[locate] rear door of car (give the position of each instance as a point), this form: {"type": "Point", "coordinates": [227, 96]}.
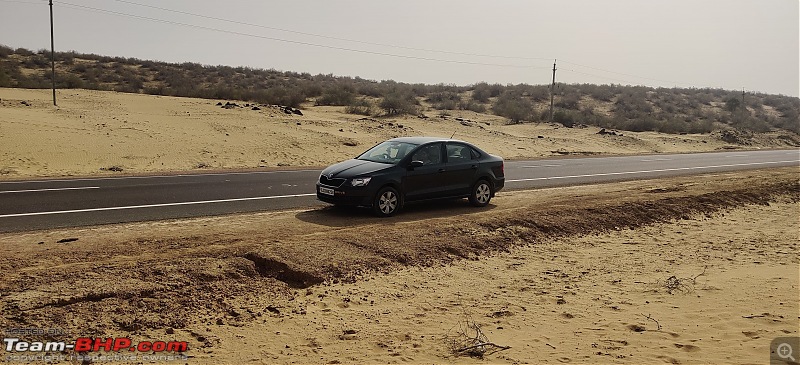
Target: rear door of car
{"type": "Point", "coordinates": [461, 168]}
{"type": "Point", "coordinates": [425, 182]}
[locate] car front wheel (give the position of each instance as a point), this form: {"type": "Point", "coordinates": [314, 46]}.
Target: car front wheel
{"type": "Point", "coordinates": [387, 202]}
{"type": "Point", "coordinates": [481, 193]}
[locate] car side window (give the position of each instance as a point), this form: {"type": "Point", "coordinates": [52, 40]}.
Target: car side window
{"type": "Point", "coordinates": [475, 154]}
{"type": "Point", "coordinates": [458, 153]}
{"type": "Point", "coordinates": [429, 155]}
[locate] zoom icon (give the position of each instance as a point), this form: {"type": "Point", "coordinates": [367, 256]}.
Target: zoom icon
{"type": "Point", "coordinates": [783, 350]}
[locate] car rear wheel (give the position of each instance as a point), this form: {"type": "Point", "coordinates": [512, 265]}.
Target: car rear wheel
{"type": "Point", "coordinates": [387, 202]}
{"type": "Point", "coordinates": [481, 193]}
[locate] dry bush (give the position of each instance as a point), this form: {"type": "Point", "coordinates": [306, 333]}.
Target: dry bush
{"type": "Point", "coordinates": [467, 338]}
{"type": "Point", "coordinates": [684, 285]}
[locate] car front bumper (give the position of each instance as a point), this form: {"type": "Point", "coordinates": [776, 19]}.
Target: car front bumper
{"type": "Point", "coordinates": [359, 196]}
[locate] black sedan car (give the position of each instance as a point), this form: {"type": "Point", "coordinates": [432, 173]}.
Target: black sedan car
{"type": "Point", "coordinates": [409, 169]}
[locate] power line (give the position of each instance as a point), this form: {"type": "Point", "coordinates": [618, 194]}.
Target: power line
{"type": "Point", "coordinates": [621, 73]}
{"type": "Point", "coordinates": [89, 8]}
{"type": "Point", "coordinates": [23, 2]}
{"type": "Point", "coordinates": [603, 77]}
{"type": "Point", "coordinates": [330, 37]}
{"type": "Point", "coordinates": [384, 44]}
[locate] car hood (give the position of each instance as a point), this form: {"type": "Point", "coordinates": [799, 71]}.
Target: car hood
{"type": "Point", "coordinates": [353, 168]}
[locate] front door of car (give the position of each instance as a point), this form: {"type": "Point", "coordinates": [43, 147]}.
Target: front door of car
{"type": "Point", "coordinates": [425, 181]}
{"type": "Point", "coordinates": [460, 170]}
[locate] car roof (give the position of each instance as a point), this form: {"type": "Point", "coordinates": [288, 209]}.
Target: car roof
{"type": "Point", "coordinates": [422, 140]}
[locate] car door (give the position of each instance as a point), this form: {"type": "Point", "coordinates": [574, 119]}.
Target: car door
{"type": "Point", "coordinates": [425, 182]}
{"type": "Point", "coordinates": [461, 169]}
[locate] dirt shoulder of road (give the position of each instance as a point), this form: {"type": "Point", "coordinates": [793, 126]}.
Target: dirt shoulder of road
{"type": "Point", "coordinates": [103, 133]}
{"type": "Point", "coordinates": [681, 270]}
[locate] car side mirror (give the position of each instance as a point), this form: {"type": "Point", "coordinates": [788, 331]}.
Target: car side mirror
{"type": "Point", "coordinates": [415, 164]}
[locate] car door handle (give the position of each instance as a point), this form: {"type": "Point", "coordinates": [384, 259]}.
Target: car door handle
{"type": "Point", "coordinates": [441, 170]}
{"type": "Point", "coordinates": [474, 167]}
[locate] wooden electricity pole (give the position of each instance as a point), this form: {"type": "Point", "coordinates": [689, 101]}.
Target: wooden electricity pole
{"type": "Point", "coordinates": [552, 91]}
{"type": "Point", "coordinates": [52, 54]}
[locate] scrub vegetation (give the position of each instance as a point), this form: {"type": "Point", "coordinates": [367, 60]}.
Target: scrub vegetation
{"type": "Point", "coordinates": [631, 108]}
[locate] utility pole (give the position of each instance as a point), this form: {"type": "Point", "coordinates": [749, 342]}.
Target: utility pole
{"type": "Point", "coordinates": [552, 91]}
{"type": "Point", "coordinates": [52, 54]}
{"type": "Point", "coordinates": [744, 110]}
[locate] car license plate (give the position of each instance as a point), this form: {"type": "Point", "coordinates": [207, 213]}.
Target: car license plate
{"type": "Point", "coordinates": [326, 191]}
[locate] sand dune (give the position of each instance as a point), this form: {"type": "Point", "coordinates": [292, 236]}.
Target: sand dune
{"type": "Point", "coordinates": [98, 132]}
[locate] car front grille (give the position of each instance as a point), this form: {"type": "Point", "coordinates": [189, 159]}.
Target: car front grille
{"type": "Point", "coordinates": [335, 182]}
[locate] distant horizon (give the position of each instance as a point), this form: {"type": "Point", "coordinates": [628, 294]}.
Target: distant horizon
{"type": "Point", "coordinates": [713, 44]}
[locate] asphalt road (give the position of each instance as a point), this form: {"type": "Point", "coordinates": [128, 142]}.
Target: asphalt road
{"type": "Point", "coordinates": [56, 203]}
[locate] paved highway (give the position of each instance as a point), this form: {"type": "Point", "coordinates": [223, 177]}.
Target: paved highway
{"type": "Point", "coordinates": [54, 203]}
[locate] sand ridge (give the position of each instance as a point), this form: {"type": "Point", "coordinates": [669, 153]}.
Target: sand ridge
{"type": "Point", "coordinates": [102, 132]}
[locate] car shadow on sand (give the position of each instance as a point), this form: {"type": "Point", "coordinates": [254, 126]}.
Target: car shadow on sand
{"type": "Point", "coordinates": [344, 216]}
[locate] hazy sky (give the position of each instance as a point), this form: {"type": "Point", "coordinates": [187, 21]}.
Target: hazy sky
{"type": "Point", "coordinates": [731, 44]}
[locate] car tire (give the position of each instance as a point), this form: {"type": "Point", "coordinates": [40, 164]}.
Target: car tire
{"type": "Point", "coordinates": [387, 202]}
{"type": "Point", "coordinates": [481, 193]}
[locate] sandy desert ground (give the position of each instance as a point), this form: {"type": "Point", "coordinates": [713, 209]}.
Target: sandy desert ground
{"type": "Point", "coordinates": [688, 270]}
{"type": "Point", "coordinates": [99, 132]}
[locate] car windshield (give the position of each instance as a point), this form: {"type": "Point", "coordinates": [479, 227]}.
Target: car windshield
{"type": "Point", "coordinates": [390, 152]}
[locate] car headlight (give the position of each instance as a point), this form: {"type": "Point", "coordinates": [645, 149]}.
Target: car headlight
{"type": "Point", "coordinates": [360, 181]}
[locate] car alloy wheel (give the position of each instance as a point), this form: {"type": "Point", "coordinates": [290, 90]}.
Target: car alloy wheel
{"type": "Point", "coordinates": [387, 202]}
{"type": "Point", "coordinates": [481, 194]}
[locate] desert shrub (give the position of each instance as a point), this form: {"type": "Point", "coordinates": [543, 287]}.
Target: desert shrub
{"type": "Point", "coordinates": [5, 51]}
{"type": "Point", "coordinates": [632, 103]}
{"type": "Point", "coordinates": [744, 121]}
{"type": "Point", "coordinates": [565, 118]}
{"type": "Point", "coordinates": [23, 52]}
{"type": "Point", "coordinates": [600, 92]}
{"type": "Point", "coordinates": [36, 61]}
{"type": "Point", "coordinates": [703, 98]}
{"type": "Point", "coordinates": [80, 68]}
{"type": "Point", "coordinates": [420, 90]}
{"type": "Point", "coordinates": [732, 104]}
{"type": "Point", "coordinates": [313, 90]}
{"type": "Point", "coordinates": [109, 77]}
{"type": "Point", "coordinates": [156, 90]}
{"type": "Point", "coordinates": [569, 100]}
{"type": "Point", "coordinates": [757, 103]}
{"type": "Point", "coordinates": [360, 107]}
{"type": "Point", "coordinates": [70, 81]}
{"type": "Point", "coordinates": [446, 105]}
{"type": "Point", "coordinates": [336, 96]}
{"type": "Point", "coordinates": [539, 93]}
{"type": "Point", "coordinates": [699, 126]}
{"type": "Point", "coordinates": [65, 58]}
{"type": "Point", "coordinates": [33, 82]}
{"type": "Point", "coordinates": [514, 107]}
{"type": "Point", "coordinates": [481, 92]}
{"type": "Point", "coordinates": [440, 96]}
{"type": "Point", "coordinates": [292, 97]}
{"type": "Point", "coordinates": [673, 126]}
{"type": "Point", "coordinates": [472, 105]}
{"type": "Point", "coordinates": [399, 102]}
{"type": "Point", "coordinates": [642, 124]}
{"type": "Point", "coordinates": [5, 79]}
{"type": "Point", "coordinates": [370, 89]}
